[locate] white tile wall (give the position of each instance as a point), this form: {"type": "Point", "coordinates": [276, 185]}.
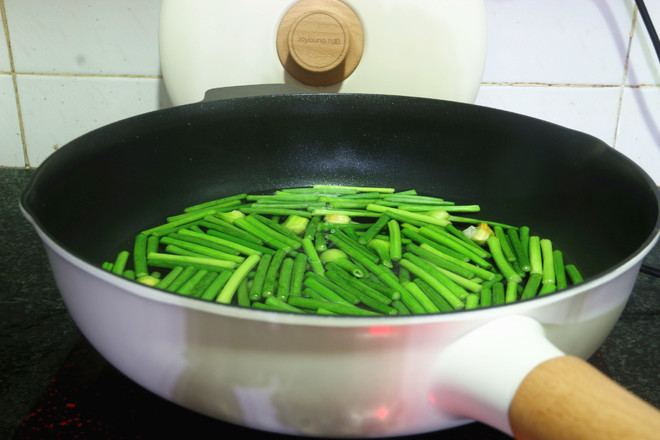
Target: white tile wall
{"type": "Point", "coordinates": [585, 64]}
{"type": "Point", "coordinates": [639, 127]}
{"type": "Point", "coordinates": [5, 67]}
{"type": "Point", "coordinates": [644, 67]}
{"type": "Point", "coordinates": [557, 42]}
{"type": "Point", "coordinates": [117, 37]}
{"type": "Point", "coordinates": [79, 64]}
{"type": "Point", "coordinates": [59, 108]}
{"type": "Point", "coordinates": [11, 147]}
{"type": "Point", "coordinates": [593, 110]}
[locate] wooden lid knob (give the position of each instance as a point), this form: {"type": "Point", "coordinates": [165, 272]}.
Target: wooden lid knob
{"type": "Point", "coordinates": [320, 42]}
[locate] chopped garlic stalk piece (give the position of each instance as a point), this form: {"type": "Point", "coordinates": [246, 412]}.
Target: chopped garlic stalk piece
{"type": "Point", "coordinates": [148, 280]}
{"type": "Point", "coordinates": [438, 213]}
{"type": "Point", "coordinates": [478, 234]}
{"type": "Point", "coordinates": [296, 224]}
{"type": "Point", "coordinates": [231, 215]}
{"type": "Point", "coordinates": [332, 255]}
{"type": "Point", "coordinates": [337, 219]}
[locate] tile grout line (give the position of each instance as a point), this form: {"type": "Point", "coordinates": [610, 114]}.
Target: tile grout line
{"type": "Point", "coordinates": [625, 76]}
{"type": "Point", "coordinates": [540, 84]}
{"type": "Point", "coordinates": [569, 85]}
{"type": "Point", "coordinates": [5, 25]}
{"type": "Point", "coordinates": [87, 75]}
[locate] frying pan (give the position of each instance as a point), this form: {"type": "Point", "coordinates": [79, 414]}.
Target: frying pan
{"type": "Point", "coordinates": [516, 367]}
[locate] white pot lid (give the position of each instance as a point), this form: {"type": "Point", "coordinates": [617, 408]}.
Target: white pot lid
{"type": "Point", "coordinates": [420, 48]}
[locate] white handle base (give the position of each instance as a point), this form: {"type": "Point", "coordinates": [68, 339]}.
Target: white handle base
{"type": "Point", "coordinates": [478, 375]}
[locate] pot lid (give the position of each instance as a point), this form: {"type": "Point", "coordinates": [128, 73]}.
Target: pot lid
{"type": "Point", "coordinates": [421, 48]}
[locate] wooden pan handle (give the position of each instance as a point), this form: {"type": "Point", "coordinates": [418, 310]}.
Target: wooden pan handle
{"type": "Point", "coordinates": [567, 398]}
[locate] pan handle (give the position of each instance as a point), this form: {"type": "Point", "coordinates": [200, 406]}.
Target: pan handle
{"type": "Point", "coordinates": [508, 375]}
{"type": "Point", "coordinates": [253, 90]}
{"type": "Point", "coordinates": [566, 397]}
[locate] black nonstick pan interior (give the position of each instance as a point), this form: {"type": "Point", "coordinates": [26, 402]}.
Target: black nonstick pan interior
{"type": "Point", "coordinates": [95, 193]}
